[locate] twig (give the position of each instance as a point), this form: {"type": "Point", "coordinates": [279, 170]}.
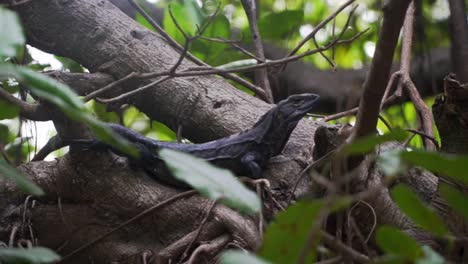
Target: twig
{"type": "Point", "coordinates": [133, 92]}
{"type": "Point", "coordinates": [215, 245]}
{"type": "Point", "coordinates": [52, 145]}
{"type": "Point", "coordinates": [334, 260]}
{"type": "Point", "coordinates": [306, 169]}
{"type": "Point", "coordinates": [211, 70]}
{"type": "Point", "coordinates": [425, 136]}
{"type": "Point", "coordinates": [202, 224]}
{"type": "Point", "coordinates": [261, 75]}
{"type": "Point", "coordinates": [257, 90]}
{"type": "Point", "coordinates": [318, 27]}
{"type": "Point", "coordinates": [389, 88]}
{"type": "Point", "coordinates": [313, 231]}
{"type": "Point", "coordinates": [133, 219]}
{"type": "Point", "coordinates": [386, 123]}
{"type": "Point", "coordinates": [109, 86]}
{"type": "Point", "coordinates": [379, 73]}
{"type": "Point", "coordinates": [344, 249]}
{"type": "Point", "coordinates": [374, 224]}
{"type": "Point", "coordinates": [425, 116]}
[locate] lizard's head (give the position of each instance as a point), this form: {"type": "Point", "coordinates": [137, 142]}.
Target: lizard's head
{"type": "Point", "coordinates": [296, 106]}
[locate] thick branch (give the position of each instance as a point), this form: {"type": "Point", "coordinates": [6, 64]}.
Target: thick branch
{"type": "Point", "coordinates": [102, 38]}
{"type": "Point", "coordinates": [377, 79]}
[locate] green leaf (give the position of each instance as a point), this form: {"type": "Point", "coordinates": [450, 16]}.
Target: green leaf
{"type": "Point", "coordinates": [23, 183]}
{"type": "Point", "coordinates": [447, 165]}
{"type": "Point", "coordinates": [236, 256]}
{"type": "Point", "coordinates": [212, 182]}
{"type": "Point", "coordinates": [187, 15]}
{"type": "Point", "coordinates": [142, 21]}
{"type": "Point", "coordinates": [26, 256]}
{"type": "Point", "coordinates": [430, 257]}
{"type": "Point", "coordinates": [163, 132]}
{"type": "Point", "coordinates": [8, 110]}
{"type": "Point", "coordinates": [219, 27]}
{"type": "Point", "coordinates": [11, 32]}
{"type": "Point", "coordinates": [285, 237]}
{"type": "Point", "coordinates": [414, 208]}
{"type": "Point", "coordinates": [315, 11]}
{"type": "Point", "coordinates": [70, 64]}
{"type": "Point", "coordinates": [5, 137]}
{"type": "Point", "coordinates": [455, 198]}
{"type": "Point", "coordinates": [277, 26]}
{"type": "Point", "coordinates": [393, 241]}
{"type": "Point", "coordinates": [367, 144]}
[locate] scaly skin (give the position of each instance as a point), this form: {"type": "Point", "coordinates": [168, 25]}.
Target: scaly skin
{"type": "Point", "coordinates": [245, 153]}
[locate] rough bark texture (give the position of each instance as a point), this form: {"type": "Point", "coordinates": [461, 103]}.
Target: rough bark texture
{"type": "Point", "coordinates": [103, 39]}
{"type": "Point", "coordinates": [97, 191]}
{"type": "Point", "coordinates": [88, 193]}
{"type": "Point", "coordinates": [451, 117]}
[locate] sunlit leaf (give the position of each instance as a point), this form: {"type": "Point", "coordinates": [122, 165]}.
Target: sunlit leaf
{"type": "Point", "coordinates": [8, 111]}
{"type": "Point", "coordinates": [11, 32]}
{"type": "Point", "coordinates": [316, 10]}
{"type": "Point", "coordinates": [218, 28]}
{"type": "Point", "coordinates": [187, 15]}
{"type": "Point", "coordinates": [163, 132]}
{"type": "Point", "coordinates": [142, 21]}
{"type": "Point", "coordinates": [446, 165]}
{"type": "Point", "coordinates": [100, 110]}
{"type": "Point", "coordinates": [236, 256]}
{"type": "Point", "coordinates": [34, 255]}
{"type": "Point", "coordinates": [414, 208]}
{"type": "Point", "coordinates": [23, 183]}
{"type": "Point", "coordinates": [4, 134]}
{"type": "Point", "coordinates": [280, 25]}
{"type": "Point", "coordinates": [212, 182]}
{"type": "Point", "coordinates": [455, 198]}
{"type": "Point", "coordinates": [10, 86]}
{"type": "Point", "coordinates": [367, 144]}
{"type": "Point", "coordinates": [294, 224]}
{"type": "Point", "coordinates": [70, 64]}
{"type": "Point", "coordinates": [393, 241]}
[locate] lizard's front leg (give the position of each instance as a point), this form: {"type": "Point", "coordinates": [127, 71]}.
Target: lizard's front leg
{"type": "Point", "coordinates": [252, 161]}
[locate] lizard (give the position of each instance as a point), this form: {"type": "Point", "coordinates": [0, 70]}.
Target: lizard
{"type": "Point", "coordinates": [245, 153]}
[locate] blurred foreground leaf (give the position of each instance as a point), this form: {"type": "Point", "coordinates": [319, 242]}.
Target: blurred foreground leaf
{"type": "Point", "coordinates": [213, 182]}
{"type": "Point", "coordinates": [23, 183]}
{"type": "Point", "coordinates": [236, 256]}
{"type": "Point", "coordinates": [414, 208]}
{"type": "Point", "coordinates": [34, 255]}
